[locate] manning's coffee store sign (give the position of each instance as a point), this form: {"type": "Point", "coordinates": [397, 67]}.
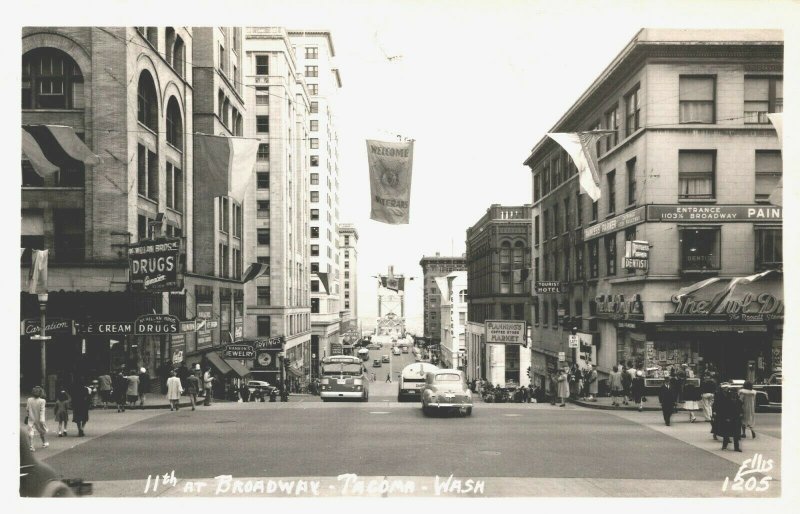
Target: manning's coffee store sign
{"type": "Point", "coordinates": [154, 265]}
{"type": "Point", "coordinates": [758, 302]}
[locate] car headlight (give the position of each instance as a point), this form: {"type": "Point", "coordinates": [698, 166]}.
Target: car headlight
{"type": "Point", "coordinates": [358, 381]}
{"type": "Point", "coordinates": [358, 388]}
{"type": "Point", "coordinates": [325, 380]}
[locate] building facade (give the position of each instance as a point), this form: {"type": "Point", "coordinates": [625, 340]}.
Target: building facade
{"type": "Point", "coordinates": [687, 170]}
{"type": "Point", "coordinates": [277, 223]}
{"type": "Point", "coordinates": [497, 262]}
{"type": "Point", "coordinates": [432, 268]}
{"type": "Point", "coordinates": [314, 52]}
{"type": "Point", "coordinates": [453, 309]}
{"type": "Point", "coordinates": [348, 257]}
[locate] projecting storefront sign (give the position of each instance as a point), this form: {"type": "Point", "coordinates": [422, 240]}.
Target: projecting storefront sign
{"type": "Point", "coordinates": [31, 327]}
{"type": "Point", "coordinates": [156, 325]}
{"type": "Point", "coordinates": [634, 263]}
{"type": "Point", "coordinates": [238, 351]}
{"type": "Point", "coordinates": [549, 287]}
{"type": "Point", "coordinates": [705, 213]}
{"type": "Point", "coordinates": [154, 265]}
{"type": "Point", "coordinates": [618, 307]}
{"type": "Point", "coordinates": [505, 332]}
{"type": "Point", "coordinates": [614, 224]}
{"type": "Point", "coordinates": [267, 344]}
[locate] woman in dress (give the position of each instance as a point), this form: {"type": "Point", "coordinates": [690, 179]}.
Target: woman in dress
{"type": "Point", "coordinates": [61, 413]}
{"type": "Point", "coordinates": [748, 398]}
{"type": "Point", "coordinates": [691, 398]}
{"type": "Point", "coordinates": [174, 390]}
{"type": "Point", "coordinates": [563, 387]}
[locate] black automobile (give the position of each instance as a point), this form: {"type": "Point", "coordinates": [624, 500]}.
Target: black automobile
{"type": "Point", "coordinates": [38, 480]}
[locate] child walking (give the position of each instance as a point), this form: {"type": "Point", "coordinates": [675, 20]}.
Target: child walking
{"type": "Point", "coordinates": [61, 412]}
{"type": "Point", "coordinates": [35, 409]}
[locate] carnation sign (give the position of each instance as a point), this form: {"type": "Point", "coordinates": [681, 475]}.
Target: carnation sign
{"type": "Point", "coordinates": [505, 332]}
{"type": "Point", "coordinates": [154, 265]}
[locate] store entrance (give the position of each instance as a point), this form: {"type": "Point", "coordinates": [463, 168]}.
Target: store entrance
{"type": "Point", "coordinates": [735, 356]}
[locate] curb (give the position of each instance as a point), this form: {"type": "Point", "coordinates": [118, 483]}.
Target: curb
{"type": "Point", "coordinates": [145, 407]}
{"type": "Point", "coordinates": [593, 405]}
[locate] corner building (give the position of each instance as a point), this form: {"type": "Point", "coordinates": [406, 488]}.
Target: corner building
{"type": "Point", "coordinates": [434, 267]}
{"type": "Point", "coordinates": [688, 169]}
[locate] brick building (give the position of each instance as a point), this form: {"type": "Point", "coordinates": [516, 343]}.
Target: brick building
{"type": "Point", "coordinates": [434, 267]}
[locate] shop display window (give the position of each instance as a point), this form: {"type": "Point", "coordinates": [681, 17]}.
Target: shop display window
{"type": "Point", "coordinates": [700, 249]}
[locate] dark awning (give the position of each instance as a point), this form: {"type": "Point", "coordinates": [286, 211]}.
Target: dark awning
{"type": "Point", "coordinates": [226, 366]}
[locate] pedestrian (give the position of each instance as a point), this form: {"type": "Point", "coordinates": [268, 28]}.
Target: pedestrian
{"type": "Point", "coordinates": [707, 388]}
{"type": "Point", "coordinates": [183, 373]}
{"type": "Point", "coordinates": [61, 413]}
{"type": "Point", "coordinates": [719, 397]}
{"type": "Point", "coordinates": [667, 396]}
{"type": "Point", "coordinates": [637, 389]}
{"type": "Point", "coordinates": [174, 390]}
{"type": "Point", "coordinates": [631, 370]}
{"type": "Point", "coordinates": [748, 398]}
{"type": "Point", "coordinates": [35, 416]}
{"type": "Point", "coordinates": [192, 388]}
{"type": "Point", "coordinates": [729, 411]}
{"type": "Point", "coordinates": [119, 386]}
{"type": "Point", "coordinates": [626, 383]}
{"type": "Point", "coordinates": [144, 385]}
{"type": "Point", "coordinates": [208, 383]}
{"type": "Point", "coordinates": [553, 387]}
{"type": "Point", "coordinates": [691, 397]}
{"type": "Point", "coordinates": [531, 394]}
{"type": "Point", "coordinates": [563, 387]}
{"type": "Point", "coordinates": [388, 377]}
{"type": "Point", "coordinates": [593, 383]}
{"type": "Point", "coordinates": [133, 388]}
{"type": "Point", "coordinates": [104, 386]}
{"type": "Point", "coordinates": [80, 404]}
{"type": "Point", "coordinates": [615, 382]}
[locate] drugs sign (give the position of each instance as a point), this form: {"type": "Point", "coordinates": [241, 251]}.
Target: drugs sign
{"type": "Point", "coordinates": [154, 265]}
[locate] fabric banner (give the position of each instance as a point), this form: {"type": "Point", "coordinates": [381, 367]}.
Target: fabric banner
{"type": "Point", "coordinates": [49, 147]}
{"type": "Point", "coordinates": [254, 271]}
{"type": "Point", "coordinates": [776, 197]}
{"type": "Point", "coordinates": [581, 146]}
{"type": "Point", "coordinates": [323, 277]}
{"type": "Point", "coordinates": [33, 152]}
{"type": "Point", "coordinates": [227, 162]}
{"type": "Point", "coordinates": [736, 281]}
{"type": "Point", "coordinates": [38, 274]}
{"type": "Point", "coordinates": [390, 180]}
{"type": "Point", "coordinates": [393, 283]}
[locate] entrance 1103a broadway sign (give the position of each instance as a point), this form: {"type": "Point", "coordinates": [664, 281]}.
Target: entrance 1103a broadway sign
{"type": "Point", "coordinates": [154, 265]}
{"type": "Point", "coordinates": [706, 213]}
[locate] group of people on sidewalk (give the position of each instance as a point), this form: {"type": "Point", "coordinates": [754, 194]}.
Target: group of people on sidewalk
{"type": "Point", "coordinates": [124, 389]}
{"type": "Point", "coordinates": [78, 400]}
{"type": "Point", "coordinates": [194, 385]}
{"type": "Point", "coordinates": [730, 412]}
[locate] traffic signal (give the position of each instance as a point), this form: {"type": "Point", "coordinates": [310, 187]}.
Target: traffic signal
{"type": "Point", "coordinates": [529, 372]}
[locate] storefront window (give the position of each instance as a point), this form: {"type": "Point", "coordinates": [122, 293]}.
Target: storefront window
{"type": "Point", "coordinates": [512, 364]}
{"type": "Point", "coordinates": [699, 249]}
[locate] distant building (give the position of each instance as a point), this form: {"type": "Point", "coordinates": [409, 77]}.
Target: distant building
{"type": "Point", "coordinates": [687, 169]}
{"type": "Point", "coordinates": [433, 267]}
{"type": "Point", "coordinates": [498, 261]}
{"type": "Point", "coordinates": [453, 309]}
{"type": "Point", "coordinates": [348, 257]}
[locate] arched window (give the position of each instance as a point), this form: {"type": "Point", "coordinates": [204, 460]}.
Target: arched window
{"type": "Point", "coordinates": [220, 103]}
{"type": "Point", "coordinates": [174, 124]}
{"type": "Point", "coordinates": [178, 58]}
{"type": "Point", "coordinates": [169, 42]}
{"type": "Point", "coordinates": [148, 102]}
{"type": "Point", "coordinates": [505, 254]}
{"type": "Point", "coordinates": [51, 80]}
{"type": "Point", "coordinates": [226, 107]}
{"type": "Point", "coordinates": [152, 36]}
{"type": "Point", "coordinates": [519, 252]}
{"type": "Point", "coordinates": [462, 296]}
{"type": "Point", "coordinates": [239, 125]}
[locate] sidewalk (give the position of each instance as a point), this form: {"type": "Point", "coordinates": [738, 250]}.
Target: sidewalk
{"type": "Point", "coordinates": [604, 403]}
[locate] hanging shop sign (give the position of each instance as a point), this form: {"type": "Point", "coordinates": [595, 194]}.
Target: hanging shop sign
{"type": "Point", "coordinates": [616, 223]}
{"type": "Point", "coordinates": [637, 249]}
{"type": "Point", "coordinates": [634, 263]}
{"type": "Point", "coordinates": [203, 311]}
{"type": "Point", "coordinates": [549, 287]}
{"type": "Point", "coordinates": [238, 351]}
{"type": "Point", "coordinates": [177, 356]}
{"type": "Point", "coordinates": [505, 332]}
{"type": "Point", "coordinates": [154, 265]}
{"type": "Point", "coordinates": [337, 349]}
{"type": "Point", "coordinates": [156, 325]}
{"type": "Point", "coordinates": [744, 307]}
{"type": "Point", "coordinates": [53, 326]}
{"type": "Point", "coordinates": [619, 307]}
{"type": "Point", "coordinates": [266, 344]}
{"type": "Point", "coordinates": [706, 213]}
{"type": "Point", "coordinates": [188, 326]}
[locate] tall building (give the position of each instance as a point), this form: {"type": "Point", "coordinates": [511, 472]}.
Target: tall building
{"type": "Point", "coordinates": [498, 262]}
{"type": "Point", "coordinates": [128, 94]}
{"type": "Point", "coordinates": [314, 54]}
{"type": "Point", "coordinates": [432, 268]}
{"type": "Point", "coordinates": [277, 210]}
{"type": "Point", "coordinates": [453, 316]}
{"type": "Point", "coordinates": [687, 170]}
{"type": "Point", "coordinates": [348, 256]}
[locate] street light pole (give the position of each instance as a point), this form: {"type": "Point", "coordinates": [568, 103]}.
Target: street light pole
{"type": "Point", "coordinates": [42, 337]}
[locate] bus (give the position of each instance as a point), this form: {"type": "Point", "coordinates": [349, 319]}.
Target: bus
{"type": "Point", "coordinates": [363, 353]}
{"type": "Point", "coordinates": [412, 380]}
{"type": "Point", "coordinates": [343, 376]}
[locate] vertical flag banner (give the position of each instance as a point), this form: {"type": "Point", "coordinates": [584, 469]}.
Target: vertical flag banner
{"type": "Point", "coordinates": [390, 180]}
{"type": "Point", "coordinates": [227, 162]}
{"type": "Point", "coordinates": [776, 197]}
{"type": "Point", "coordinates": [38, 273]}
{"type": "Point", "coordinates": [581, 147]}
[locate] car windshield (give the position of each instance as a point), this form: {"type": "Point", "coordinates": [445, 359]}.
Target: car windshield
{"type": "Point", "coordinates": [341, 369]}
{"type": "Point", "coordinates": [448, 377]}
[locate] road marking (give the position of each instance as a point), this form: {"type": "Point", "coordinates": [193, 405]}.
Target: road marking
{"type": "Point", "coordinates": [379, 412]}
{"type": "Point", "coordinates": [512, 415]}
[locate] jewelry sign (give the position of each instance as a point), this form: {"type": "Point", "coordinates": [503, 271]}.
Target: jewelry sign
{"type": "Point", "coordinates": [154, 265]}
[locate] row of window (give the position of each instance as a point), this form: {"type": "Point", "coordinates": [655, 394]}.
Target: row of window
{"type": "Point", "coordinates": [296, 323]}
{"type": "Point", "coordinates": [68, 234]}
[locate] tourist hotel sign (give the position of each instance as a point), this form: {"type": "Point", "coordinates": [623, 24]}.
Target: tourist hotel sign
{"type": "Point", "coordinates": [239, 351]}
{"type": "Point", "coordinates": [705, 213]}
{"type": "Point", "coordinates": [154, 265]}
{"type": "Point", "coordinates": [549, 287]}
{"type": "Point", "coordinates": [506, 332]}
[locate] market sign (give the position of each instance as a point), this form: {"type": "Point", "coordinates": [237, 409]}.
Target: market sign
{"type": "Point", "coordinates": [549, 287]}
{"type": "Point", "coordinates": [156, 325]}
{"type": "Point", "coordinates": [238, 351]}
{"type": "Point", "coordinates": [505, 332]}
{"type": "Point", "coordinates": [706, 213]}
{"type": "Point", "coordinates": [624, 220]}
{"type": "Point", "coordinates": [618, 307]}
{"type": "Point", "coordinates": [32, 327]}
{"type": "Point", "coordinates": [154, 265]}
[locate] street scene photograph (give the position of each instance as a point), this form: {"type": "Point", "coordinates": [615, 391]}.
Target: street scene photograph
{"type": "Point", "coordinates": [402, 249]}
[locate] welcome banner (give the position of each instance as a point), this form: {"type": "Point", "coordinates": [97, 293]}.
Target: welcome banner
{"type": "Point", "coordinates": [390, 180]}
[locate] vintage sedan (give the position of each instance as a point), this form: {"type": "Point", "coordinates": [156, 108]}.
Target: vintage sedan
{"type": "Point", "coordinates": [446, 390]}
{"type": "Point", "coordinates": [762, 398]}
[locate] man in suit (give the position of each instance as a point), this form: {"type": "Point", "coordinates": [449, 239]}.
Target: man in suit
{"type": "Point", "coordinates": [667, 396]}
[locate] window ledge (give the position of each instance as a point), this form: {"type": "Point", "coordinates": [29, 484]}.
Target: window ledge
{"type": "Point", "coordinates": [147, 198]}
{"type": "Point", "coordinates": [697, 200]}
{"type": "Point", "coordinates": [53, 188]}
{"type": "Point", "coordinates": [148, 129]}
{"type": "Point", "coordinates": [175, 211]}
{"type": "Point", "coordinates": [630, 206]}
{"type": "Point", "coordinates": [53, 110]}
{"type": "Point", "coordinates": [179, 150]}
{"type": "Point", "coordinates": [699, 272]}
{"type": "Point", "coordinates": [611, 214]}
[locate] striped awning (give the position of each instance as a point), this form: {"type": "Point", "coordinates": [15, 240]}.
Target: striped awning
{"type": "Point", "coordinates": [50, 147]}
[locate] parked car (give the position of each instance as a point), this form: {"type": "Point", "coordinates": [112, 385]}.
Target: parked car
{"type": "Point", "coordinates": [259, 389]}
{"type": "Point", "coordinates": [385, 358]}
{"type": "Point", "coordinates": [395, 351]}
{"type": "Point", "coordinates": [762, 399]}
{"type": "Point", "coordinates": [446, 389]}
{"type": "Point", "coordinates": [39, 480]}
{"type": "Point", "coordinates": [376, 363]}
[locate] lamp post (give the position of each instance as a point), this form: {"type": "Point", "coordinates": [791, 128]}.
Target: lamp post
{"type": "Point", "coordinates": [42, 337]}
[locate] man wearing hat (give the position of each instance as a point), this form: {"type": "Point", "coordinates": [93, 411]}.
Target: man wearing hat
{"type": "Point", "coordinates": [144, 385]}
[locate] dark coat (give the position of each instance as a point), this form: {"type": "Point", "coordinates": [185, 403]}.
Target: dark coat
{"type": "Point", "coordinates": [719, 399]}
{"type": "Point", "coordinates": [690, 392]}
{"type": "Point", "coordinates": [144, 383]}
{"type": "Point", "coordinates": [667, 396]}
{"type": "Point", "coordinates": [708, 386]}
{"type": "Point", "coordinates": [120, 386]}
{"type": "Point", "coordinates": [637, 386]}
{"type": "Point", "coordinates": [729, 414]}
{"type": "Point", "coordinates": [80, 403]}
